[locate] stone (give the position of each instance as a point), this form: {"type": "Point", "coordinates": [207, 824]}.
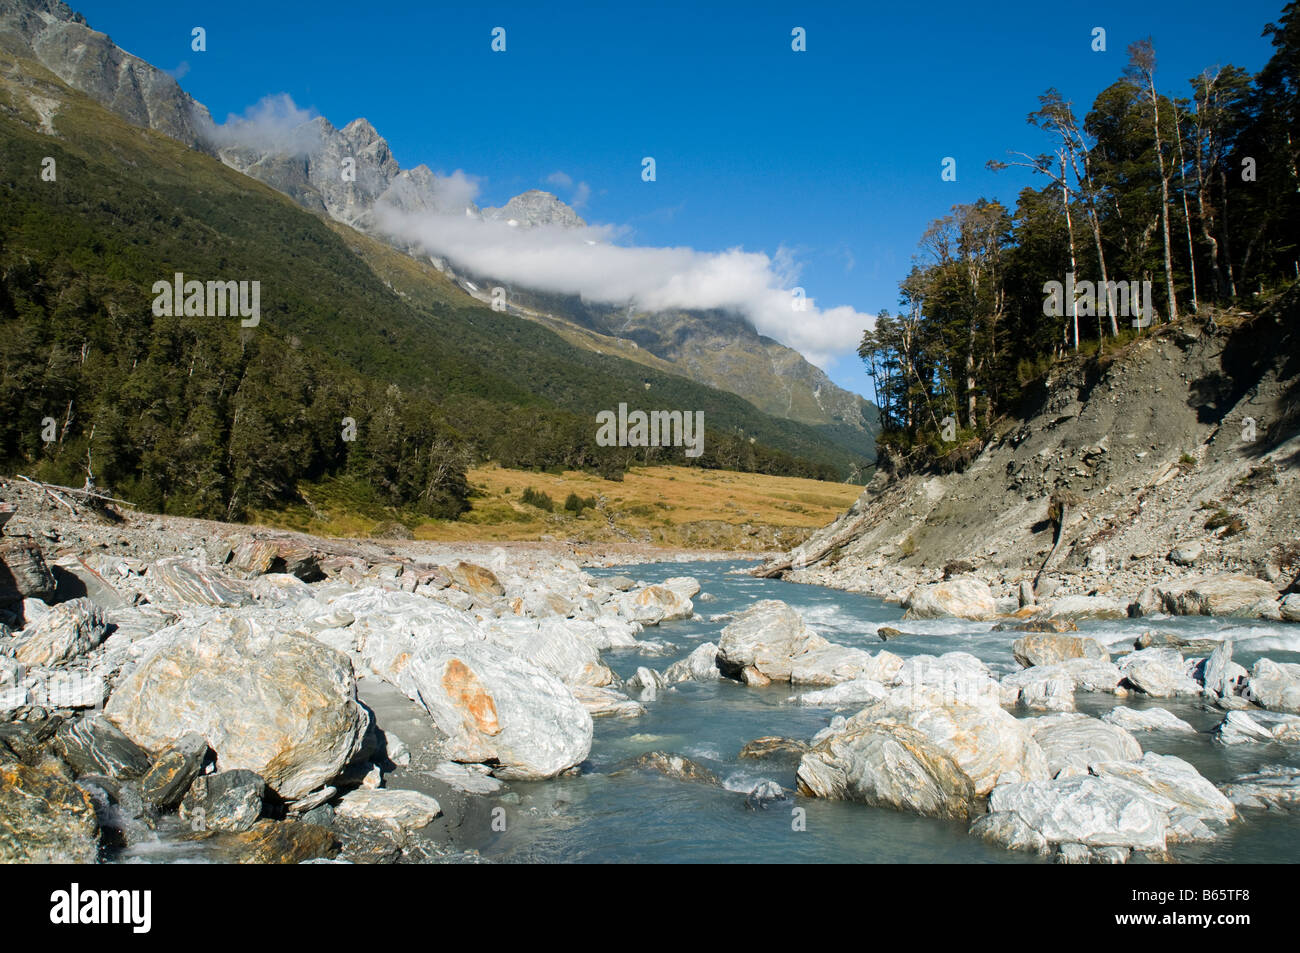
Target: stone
{"type": "Point", "coordinates": [408, 810]}
{"type": "Point", "coordinates": [621, 583]}
{"type": "Point", "coordinates": [1087, 607]}
{"type": "Point", "coordinates": [1146, 719]}
{"type": "Point", "coordinates": [1158, 672]}
{"type": "Point", "coordinates": [1084, 809]}
{"type": "Point", "coordinates": [951, 678]}
{"type": "Point", "coordinates": [225, 801]}
{"type": "Point", "coordinates": [700, 666]}
{"type": "Point", "coordinates": [1275, 686]}
{"type": "Point", "coordinates": [1006, 829]}
{"type": "Point", "coordinates": [469, 778]}
{"type": "Point", "coordinates": [764, 793]}
{"type": "Point", "coordinates": [478, 581]}
{"type": "Point", "coordinates": [45, 818]}
{"type": "Point", "coordinates": [858, 692]}
{"type": "Point", "coordinates": [281, 705]}
{"type": "Point", "coordinates": [97, 746]}
{"type": "Point", "coordinates": [492, 706]}
{"type": "Point", "coordinates": [256, 557]}
{"type": "Point", "coordinates": [1186, 555]}
{"type": "Point", "coordinates": [964, 598]}
{"type": "Point", "coordinates": [771, 746]}
{"type": "Point", "coordinates": [269, 842]}
{"type": "Point", "coordinates": [67, 631]}
{"type": "Point", "coordinates": [677, 767]}
{"type": "Point", "coordinates": [1037, 625]}
{"type": "Point", "coordinates": [765, 637]}
{"type": "Point", "coordinates": [1216, 677]}
{"type": "Point", "coordinates": [1290, 607]}
{"type": "Point", "coordinates": [688, 587]}
{"type": "Point", "coordinates": [1048, 648]}
{"type": "Point", "coordinates": [1073, 742]}
{"type": "Point", "coordinates": [884, 764]}
{"type": "Point", "coordinates": [188, 584]}
{"type": "Point", "coordinates": [1226, 594]}
{"type": "Point", "coordinates": [551, 645]}
{"type": "Point", "coordinates": [655, 604]}
{"type": "Point", "coordinates": [603, 702]}
{"type": "Point", "coordinates": [1241, 727]}
{"type": "Point", "coordinates": [1274, 786]}
{"type": "Point", "coordinates": [1174, 786]}
{"type": "Point", "coordinates": [23, 572]}
{"type": "Point", "coordinates": [173, 771]}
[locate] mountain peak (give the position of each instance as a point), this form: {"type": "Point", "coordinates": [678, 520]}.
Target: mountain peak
{"type": "Point", "coordinates": [536, 207]}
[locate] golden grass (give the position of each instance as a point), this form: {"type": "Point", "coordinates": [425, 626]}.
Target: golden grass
{"type": "Point", "coordinates": [665, 505]}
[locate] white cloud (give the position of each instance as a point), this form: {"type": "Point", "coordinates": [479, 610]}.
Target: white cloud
{"type": "Point", "coordinates": [587, 262]}
{"type": "Point", "coordinates": [274, 124]}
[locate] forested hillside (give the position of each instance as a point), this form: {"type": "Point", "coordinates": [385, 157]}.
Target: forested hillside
{"type": "Point", "coordinates": [1189, 189]}
{"type": "Point", "coordinates": [199, 415]}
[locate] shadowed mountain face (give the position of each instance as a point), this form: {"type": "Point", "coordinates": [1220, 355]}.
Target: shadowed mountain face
{"type": "Point", "coordinates": [350, 173]}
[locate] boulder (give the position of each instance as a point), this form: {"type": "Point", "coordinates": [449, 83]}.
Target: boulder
{"type": "Point", "coordinates": [268, 842]}
{"type": "Point", "coordinates": [479, 582]}
{"type": "Point", "coordinates": [1275, 685]}
{"type": "Point", "coordinates": [1290, 607]}
{"type": "Point", "coordinates": [1047, 649]}
{"type": "Point", "coordinates": [492, 705]}
{"type": "Point", "coordinates": [856, 693]}
{"type": "Point", "coordinates": [1226, 594]}
{"type": "Point", "coordinates": [256, 557]}
{"type": "Point", "coordinates": [97, 746]}
{"type": "Point", "coordinates": [677, 767]}
{"type": "Point", "coordinates": [23, 573]}
{"type": "Point", "coordinates": [1072, 743]}
{"type": "Point", "coordinates": [225, 801]}
{"type": "Point", "coordinates": [1241, 727]}
{"type": "Point", "coordinates": [408, 810]}
{"type": "Point", "coordinates": [771, 746]}
{"type": "Point", "coordinates": [1174, 786]}
{"type": "Point", "coordinates": [1274, 786]}
{"type": "Point", "coordinates": [601, 702]}
{"type": "Point", "coordinates": [1217, 677]}
{"type": "Point", "coordinates": [885, 764]}
{"type": "Point", "coordinates": [655, 604]}
{"type": "Point", "coordinates": [700, 666]}
{"type": "Point", "coordinates": [1082, 809]}
{"type": "Point", "coordinates": [188, 584]}
{"type": "Point", "coordinates": [281, 705]}
{"type": "Point", "coordinates": [1146, 719]}
{"type": "Point", "coordinates": [169, 777]}
{"type": "Point", "coordinates": [45, 818]}
{"type": "Point", "coordinates": [553, 645]}
{"type": "Point", "coordinates": [1158, 672]}
{"type": "Point", "coordinates": [688, 587]}
{"type": "Point", "coordinates": [67, 631]}
{"type": "Point", "coordinates": [766, 637]}
{"type": "Point", "coordinates": [1088, 607]}
{"type": "Point", "coordinates": [964, 597]}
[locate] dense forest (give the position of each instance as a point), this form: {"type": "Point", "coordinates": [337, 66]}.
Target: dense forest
{"type": "Point", "coordinates": [1197, 196]}
{"type": "Point", "coordinates": [363, 366]}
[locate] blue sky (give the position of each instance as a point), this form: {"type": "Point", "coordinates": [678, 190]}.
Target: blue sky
{"type": "Point", "coordinates": [832, 154]}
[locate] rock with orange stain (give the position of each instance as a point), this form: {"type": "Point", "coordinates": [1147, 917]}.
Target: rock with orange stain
{"type": "Point", "coordinates": [495, 706]}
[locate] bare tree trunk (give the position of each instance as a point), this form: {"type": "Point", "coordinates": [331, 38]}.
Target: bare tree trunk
{"type": "Point", "coordinates": [1187, 215]}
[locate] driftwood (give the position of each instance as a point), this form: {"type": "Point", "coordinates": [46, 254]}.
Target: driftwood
{"type": "Point", "coordinates": [48, 490]}
{"type": "Point", "coordinates": [96, 502]}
